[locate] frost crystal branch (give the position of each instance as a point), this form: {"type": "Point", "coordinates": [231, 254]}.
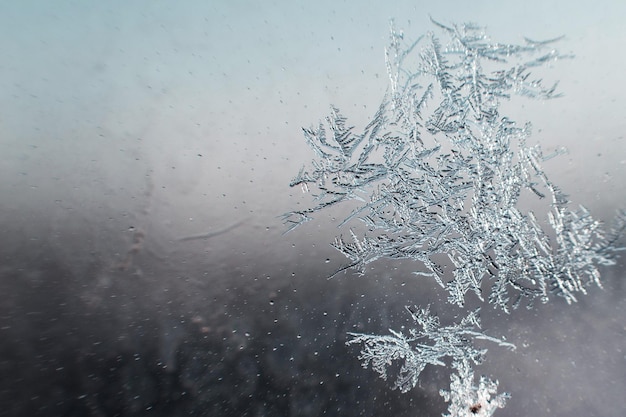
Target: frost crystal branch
{"type": "Point", "coordinates": [440, 177]}
{"type": "Point", "coordinates": [438, 171]}
{"type": "Point", "coordinates": [429, 346]}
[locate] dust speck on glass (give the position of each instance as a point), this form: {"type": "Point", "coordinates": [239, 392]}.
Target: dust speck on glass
{"type": "Point", "coordinates": [440, 173]}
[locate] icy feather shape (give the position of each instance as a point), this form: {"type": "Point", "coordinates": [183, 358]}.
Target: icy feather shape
{"type": "Point", "coordinates": [439, 171]}
{"type": "Point", "coordinates": [428, 346]}
{"type": "Point", "coordinates": [440, 174]}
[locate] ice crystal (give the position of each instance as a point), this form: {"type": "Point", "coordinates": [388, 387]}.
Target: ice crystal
{"type": "Point", "coordinates": [439, 172]}
{"type": "Point", "coordinates": [429, 346]}
{"type": "Point", "coordinates": [468, 400]}
{"type": "Point", "coordinates": [440, 177]}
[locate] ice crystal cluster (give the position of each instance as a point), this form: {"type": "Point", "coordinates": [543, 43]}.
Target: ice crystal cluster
{"type": "Point", "coordinates": [445, 342]}
{"type": "Point", "coordinates": [440, 177]}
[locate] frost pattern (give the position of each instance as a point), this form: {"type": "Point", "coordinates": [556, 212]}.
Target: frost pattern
{"type": "Point", "coordinates": [439, 173]}
{"type": "Point", "coordinates": [440, 177]}
{"type": "Point", "coordinates": [467, 400]}
{"type": "Point", "coordinates": [428, 346]}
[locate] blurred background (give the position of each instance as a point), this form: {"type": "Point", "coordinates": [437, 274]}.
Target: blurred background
{"type": "Point", "coordinates": [127, 129]}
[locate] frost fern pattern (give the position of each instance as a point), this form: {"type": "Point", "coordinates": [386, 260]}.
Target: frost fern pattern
{"type": "Point", "coordinates": [439, 173]}
{"type": "Point", "coordinates": [429, 346]}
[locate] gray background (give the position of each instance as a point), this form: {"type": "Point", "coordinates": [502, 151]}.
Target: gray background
{"type": "Point", "coordinates": [125, 126]}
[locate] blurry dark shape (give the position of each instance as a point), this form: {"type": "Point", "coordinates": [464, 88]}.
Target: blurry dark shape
{"type": "Point", "coordinates": [212, 234]}
{"type": "Point", "coordinates": [127, 355]}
